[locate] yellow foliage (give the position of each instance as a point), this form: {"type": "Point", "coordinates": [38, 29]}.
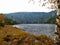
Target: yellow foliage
{"type": "Point", "coordinates": [2, 20]}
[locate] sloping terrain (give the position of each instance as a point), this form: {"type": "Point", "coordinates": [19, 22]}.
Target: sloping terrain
{"type": "Point", "coordinates": [12, 33]}
{"type": "Point", "coordinates": [13, 36]}
{"type": "Point", "coordinates": [32, 17]}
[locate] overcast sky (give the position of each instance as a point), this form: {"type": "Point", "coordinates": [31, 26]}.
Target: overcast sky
{"type": "Point", "coordinates": [10, 6]}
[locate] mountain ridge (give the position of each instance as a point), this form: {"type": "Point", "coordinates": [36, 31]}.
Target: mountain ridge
{"type": "Point", "coordinates": [31, 17]}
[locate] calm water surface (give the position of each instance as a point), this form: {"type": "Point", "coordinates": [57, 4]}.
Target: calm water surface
{"type": "Point", "coordinates": [38, 29]}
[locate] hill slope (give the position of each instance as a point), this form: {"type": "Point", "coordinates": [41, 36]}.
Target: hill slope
{"type": "Point", "coordinates": [31, 17]}
{"type": "Point", "coordinates": [9, 33]}
{"type": "Point", "coordinates": [14, 36]}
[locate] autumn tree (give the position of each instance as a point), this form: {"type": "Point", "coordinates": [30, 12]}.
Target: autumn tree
{"type": "Point", "coordinates": [2, 20]}
{"type": "Point", "coordinates": [58, 23]}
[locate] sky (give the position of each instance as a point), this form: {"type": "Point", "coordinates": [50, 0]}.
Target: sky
{"type": "Point", "coordinates": [10, 6]}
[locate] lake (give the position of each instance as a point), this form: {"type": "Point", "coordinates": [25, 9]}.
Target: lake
{"type": "Point", "coordinates": [38, 29]}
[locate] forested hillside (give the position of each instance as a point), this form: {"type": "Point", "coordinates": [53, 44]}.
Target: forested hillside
{"type": "Point", "coordinates": [33, 17]}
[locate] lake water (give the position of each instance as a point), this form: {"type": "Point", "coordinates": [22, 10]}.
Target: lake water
{"type": "Point", "coordinates": [38, 29]}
